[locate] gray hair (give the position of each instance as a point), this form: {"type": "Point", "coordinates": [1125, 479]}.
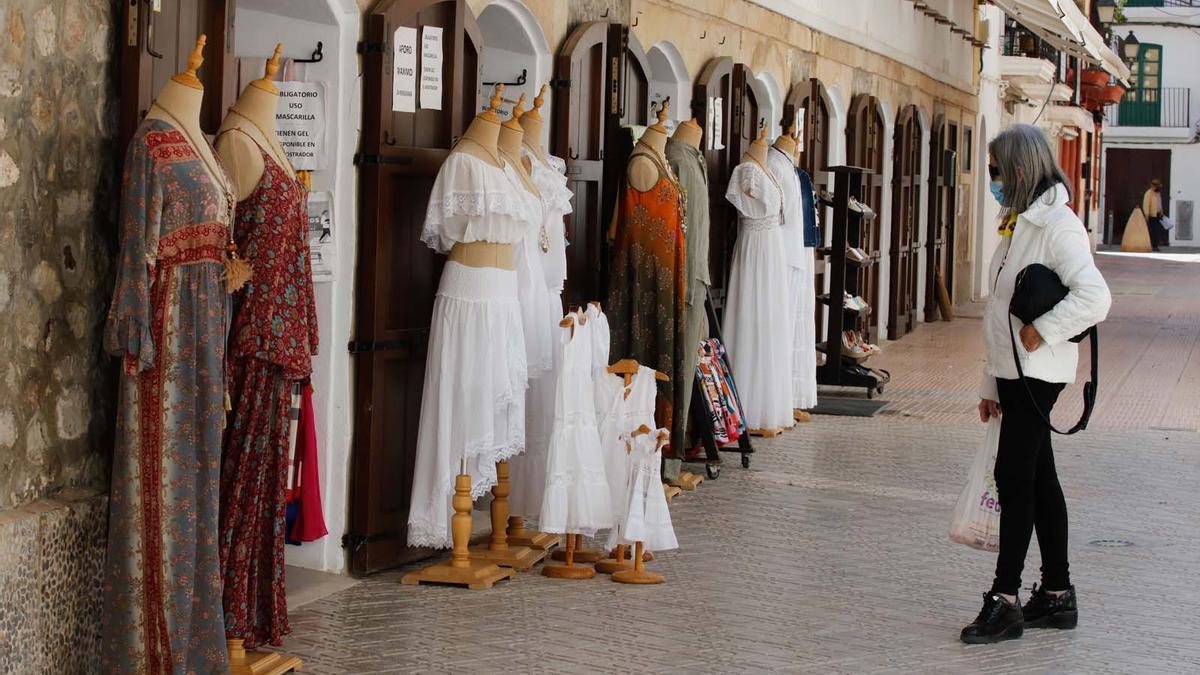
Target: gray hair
{"type": "Point", "coordinates": [1027, 166]}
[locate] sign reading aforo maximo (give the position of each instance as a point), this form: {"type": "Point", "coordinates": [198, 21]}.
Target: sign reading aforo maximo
{"type": "Point", "coordinates": [404, 79]}
{"type": "Point", "coordinates": [300, 123]}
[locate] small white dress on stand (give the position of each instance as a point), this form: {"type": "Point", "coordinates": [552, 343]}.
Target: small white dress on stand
{"type": "Point", "coordinates": [647, 517]}
{"type": "Point", "coordinates": [800, 283]}
{"type": "Point", "coordinates": [473, 400]}
{"type": "Point", "coordinates": [619, 416]}
{"type": "Point", "coordinates": [759, 323]}
{"type": "Point", "coordinates": [541, 272]}
{"type": "Point", "coordinates": [576, 498]}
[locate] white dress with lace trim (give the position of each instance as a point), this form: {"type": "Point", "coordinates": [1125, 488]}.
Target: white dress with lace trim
{"type": "Point", "coordinates": [618, 417]}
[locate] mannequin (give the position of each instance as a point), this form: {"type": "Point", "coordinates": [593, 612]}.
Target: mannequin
{"type": "Point", "coordinates": [482, 136]}
{"type": "Point", "coordinates": [254, 116]}
{"type": "Point", "coordinates": [531, 122]}
{"type": "Point", "coordinates": [758, 149]}
{"type": "Point", "coordinates": [499, 550]}
{"type": "Point", "coordinates": [643, 173]}
{"type": "Point", "coordinates": [690, 132]}
{"type": "Point", "coordinates": [179, 103]}
{"type": "Point", "coordinates": [787, 144]}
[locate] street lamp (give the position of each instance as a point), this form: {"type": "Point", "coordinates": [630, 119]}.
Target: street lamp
{"type": "Point", "coordinates": [1129, 48]}
{"type": "Point", "coordinates": [1106, 10]}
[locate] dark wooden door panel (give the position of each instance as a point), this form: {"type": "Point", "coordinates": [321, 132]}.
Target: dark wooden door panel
{"type": "Point", "coordinates": [1127, 177]}
{"type": "Point", "coordinates": [716, 81]}
{"type": "Point", "coordinates": [906, 199]}
{"type": "Point", "coordinates": [808, 96]}
{"type": "Point", "coordinates": [397, 275]}
{"type": "Point", "coordinates": [864, 148]}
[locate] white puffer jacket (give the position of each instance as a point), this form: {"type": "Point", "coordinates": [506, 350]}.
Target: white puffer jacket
{"type": "Point", "coordinates": [1050, 233]}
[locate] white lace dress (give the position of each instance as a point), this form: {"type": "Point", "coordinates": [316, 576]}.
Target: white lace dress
{"type": "Point", "coordinates": [542, 272]}
{"type": "Point", "coordinates": [647, 517]}
{"type": "Point", "coordinates": [576, 498]}
{"type": "Point", "coordinates": [473, 401]}
{"type": "Point", "coordinates": [618, 417]}
{"type": "Point", "coordinates": [802, 293]}
{"type": "Point", "coordinates": [758, 325]}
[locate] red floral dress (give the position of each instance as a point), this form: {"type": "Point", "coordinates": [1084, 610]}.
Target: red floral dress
{"type": "Point", "coordinates": [271, 344]}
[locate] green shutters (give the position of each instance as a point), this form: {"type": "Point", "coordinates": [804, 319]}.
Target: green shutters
{"type": "Point", "coordinates": [1142, 105]}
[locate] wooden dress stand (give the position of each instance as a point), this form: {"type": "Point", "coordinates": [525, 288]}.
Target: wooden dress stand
{"type": "Point", "coordinates": [499, 549]}
{"type": "Point", "coordinates": [242, 662]}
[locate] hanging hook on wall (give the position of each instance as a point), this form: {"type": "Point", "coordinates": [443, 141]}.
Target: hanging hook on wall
{"type": "Point", "coordinates": [635, 22]}
{"type": "Point", "coordinates": [606, 11]}
{"type": "Point", "coordinates": [318, 55]}
{"type": "Point", "coordinates": [388, 139]}
{"type": "Point", "coordinates": [573, 154]}
{"type": "Point", "coordinates": [722, 40]}
{"type": "Point", "coordinates": [704, 35]}
{"type": "Point", "coordinates": [520, 81]}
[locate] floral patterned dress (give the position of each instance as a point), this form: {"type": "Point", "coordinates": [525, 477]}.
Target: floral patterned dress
{"type": "Point", "coordinates": [647, 299]}
{"type": "Point", "coordinates": [271, 345]}
{"type": "Point", "coordinates": [167, 321]}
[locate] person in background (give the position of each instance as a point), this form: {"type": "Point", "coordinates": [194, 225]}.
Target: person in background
{"type": "Point", "coordinates": [1038, 226]}
{"type": "Point", "coordinates": [1153, 210]}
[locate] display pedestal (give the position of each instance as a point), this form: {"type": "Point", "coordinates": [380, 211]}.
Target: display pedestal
{"type": "Point", "coordinates": [577, 551]}
{"type": "Point", "coordinates": [639, 574]}
{"type": "Point", "coordinates": [570, 570]}
{"type": "Point", "coordinates": [801, 415]}
{"type": "Point", "coordinates": [765, 433]}
{"type": "Point", "coordinates": [687, 480]}
{"type": "Point", "coordinates": [671, 492]}
{"type": "Point", "coordinates": [242, 662]}
{"type": "Point", "coordinates": [498, 549]}
{"type": "Point", "coordinates": [519, 536]}
{"type": "Point", "coordinates": [460, 570]}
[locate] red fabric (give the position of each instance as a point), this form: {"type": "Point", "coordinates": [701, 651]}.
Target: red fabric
{"type": "Point", "coordinates": [310, 523]}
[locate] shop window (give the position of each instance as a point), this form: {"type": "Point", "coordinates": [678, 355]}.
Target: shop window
{"type": "Point", "coordinates": [968, 148]}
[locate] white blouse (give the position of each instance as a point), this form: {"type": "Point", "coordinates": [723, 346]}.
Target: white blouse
{"type": "Point", "coordinates": [550, 179]}
{"type": "Point", "coordinates": [784, 172]}
{"type": "Point", "coordinates": [473, 201]}
{"type": "Point", "coordinates": [756, 196]}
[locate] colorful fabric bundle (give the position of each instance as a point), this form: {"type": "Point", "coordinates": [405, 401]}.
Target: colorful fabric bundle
{"type": "Point", "coordinates": [720, 394]}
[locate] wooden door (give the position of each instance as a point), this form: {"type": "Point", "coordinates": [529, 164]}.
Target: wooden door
{"type": "Point", "coordinates": [938, 243]}
{"type": "Point", "coordinates": [864, 148]}
{"type": "Point", "coordinates": [715, 83]}
{"type": "Point", "coordinates": [1127, 176]}
{"type": "Point", "coordinates": [906, 200]}
{"type": "Point", "coordinates": [580, 108]}
{"type": "Point", "coordinates": [808, 97]}
{"type": "Point", "coordinates": [396, 274]}
{"type": "Point", "coordinates": [155, 45]}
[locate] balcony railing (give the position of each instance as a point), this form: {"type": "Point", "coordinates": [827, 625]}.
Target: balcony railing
{"type": "Point", "coordinates": [1162, 3]}
{"type": "Point", "coordinates": [1169, 107]}
{"type": "Point", "coordinates": [1020, 42]}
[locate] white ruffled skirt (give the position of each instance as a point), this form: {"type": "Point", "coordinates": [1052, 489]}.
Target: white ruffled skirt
{"type": "Point", "coordinates": [529, 469]}
{"type": "Point", "coordinates": [804, 355]}
{"type": "Point", "coordinates": [473, 401]}
{"type": "Point", "coordinates": [759, 325]}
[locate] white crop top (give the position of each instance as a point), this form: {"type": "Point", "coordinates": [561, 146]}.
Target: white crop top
{"type": "Point", "coordinates": [474, 201]}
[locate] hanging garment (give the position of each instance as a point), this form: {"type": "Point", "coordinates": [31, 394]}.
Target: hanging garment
{"type": "Point", "coordinates": [812, 210]}
{"type": "Point", "coordinates": [473, 401]}
{"type": "Point", "coordinates": [309, 521]}
{"type": "Point", "coordinates": [272, 342]}
{"type": "Point", "coordinates": [601, 340]}
{"type": "Point", "coordinates": [620, 411]}
{"type": "Point", "coordinates": [800, 281]}
{"type": "Point", "coordinates": [758, 323]}
{"type": "Point", "coordinates": [720, 396]}
{"type": "Point", "coordinates": [647, 517]}
{"type": "Point", "coordinates": [576, 498]}
{"type": "Point", "coordinates": [161, 608]}
{"type": "Point", "coordinates": [648, 296]}
{"type": "Point", "coordinates": [691, 167]}
{"type": "Point", "coordinates": [528, 470]}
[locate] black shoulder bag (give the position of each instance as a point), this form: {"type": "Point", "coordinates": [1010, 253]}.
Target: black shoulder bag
{"type": "Point", "coordinates": [1038, 289]}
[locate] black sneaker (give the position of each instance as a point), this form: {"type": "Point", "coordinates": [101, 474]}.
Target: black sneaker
{"type": "Point", "coordinates": [998, 620]}
{"type": "Point", "coordinates": [1046, 610]}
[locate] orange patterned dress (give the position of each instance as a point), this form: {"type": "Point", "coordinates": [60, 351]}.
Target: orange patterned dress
{"type": "Point", "coordinates": [648, 288]}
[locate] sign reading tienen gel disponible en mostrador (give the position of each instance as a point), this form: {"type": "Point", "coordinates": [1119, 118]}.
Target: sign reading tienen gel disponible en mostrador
{"type": "Point", "coordinates": [300, 123]}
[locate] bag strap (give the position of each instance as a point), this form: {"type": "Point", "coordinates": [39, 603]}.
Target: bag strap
{"type": "Point", "coordinates": [1089, 389]}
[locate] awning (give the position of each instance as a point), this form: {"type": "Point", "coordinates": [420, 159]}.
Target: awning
{"type": "Point", "coordinates": [1062, 24]}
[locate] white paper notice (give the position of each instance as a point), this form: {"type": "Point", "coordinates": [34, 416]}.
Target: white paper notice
{"type": "Point", "coordinates": [300, 121]}
{"type": "Point", "coordinates": [431, 68]}
{"type": "Point", "coordinates": [404, 79]}
{"type": "Point", "coordinates": [801, 131]}
{"type": "Point", "coordinates": [320, 235]}
{"type": "Point", "coordinates": [718, 123]}
{"type": "Point", "coordinates": [708, 124]}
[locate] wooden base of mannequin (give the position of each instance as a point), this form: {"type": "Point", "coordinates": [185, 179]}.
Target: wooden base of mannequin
{"type": "Point", "coordinates": [687, 480]}
{"type": "Point", "coordinates": [570, 570]}
{"type": "Point", "coordinates": [519, 536]}
{"type": "Point", "coordinates": [582, 555]}
{"type": "Point", "coordinates": [671, 491]}
{"type": "Point", "coordinates": [242, 662]}
{"type": "Point", "coordinates": [766, 433]}
{"type": "Point", "coordinates": [801, 415]}
{"type": "Point", "coordinates": [498, 549]}
{"type": "Point", "coordinates": [460, 570]}
{"type": "Point", "coordinates": [620, 558]}
{"type": "Point", "coordinates": [639, 574]}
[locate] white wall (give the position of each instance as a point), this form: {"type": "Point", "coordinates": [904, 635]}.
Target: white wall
{"type": "Point", "coordinates": [336, 23]}
{"type": "Point", "coordinates": [990, 121]}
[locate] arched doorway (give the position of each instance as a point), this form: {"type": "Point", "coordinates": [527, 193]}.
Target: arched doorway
{"type": "Point", "coordinates": [712, 106]}
{"type": "Point", "coordinates": [808, 103]}
{"type": "Point", "coordinates": [396, 275]}
{"type": "Point", "coordinates": [770, 104]}
{"type": "Point", "coordinates": [906, 210]}
{"type": "Point", "coordinates": [864, 148]}
{"type": "Point", "coordinates": [669, 78]}
{"type": "Point", "coordinates": [515, 53]}
{"type": "Point", "coordinates": [939, 241]}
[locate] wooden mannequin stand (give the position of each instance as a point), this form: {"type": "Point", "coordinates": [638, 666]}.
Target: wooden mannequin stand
{"type": "Point", "coordinates": [639, 574]}
{"type": "Point", "coordinates": [242, 662]}
{"type": "Point", "coordinates": [499, 550]}
{"type": "Point", "coordinates": [460, 570]}
{"type": "Point", "coordinates": [570, 570]}
{"type": "Point", "coordinates": [519, 535]}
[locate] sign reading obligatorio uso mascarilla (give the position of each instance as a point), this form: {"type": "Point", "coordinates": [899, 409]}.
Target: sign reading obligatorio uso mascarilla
{"type": "Point", "coordinates": [300, 123]}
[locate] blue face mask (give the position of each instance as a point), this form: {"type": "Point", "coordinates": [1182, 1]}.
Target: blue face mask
{"type": "Point", "coordinates": [997, 188]}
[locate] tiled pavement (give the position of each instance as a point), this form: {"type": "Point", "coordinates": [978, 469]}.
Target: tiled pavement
{"type": "Point", "coordinates": [829, 555]}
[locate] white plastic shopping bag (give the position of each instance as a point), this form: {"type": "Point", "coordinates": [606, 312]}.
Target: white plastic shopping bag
{"type": "Point", "coordinates": [1167, 223]}
{"type": "Point", "coordinates": [977, 514]}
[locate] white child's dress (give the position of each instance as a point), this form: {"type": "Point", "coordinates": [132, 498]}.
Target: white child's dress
{"type": "Point", "coordinates": [647, 518]}
{"type": "Point", "coordinates": [576, 498]}
{"type": "Point", "coordinates": [619, 417]}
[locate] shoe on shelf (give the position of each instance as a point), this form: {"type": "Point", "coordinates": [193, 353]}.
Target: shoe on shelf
{"type": "Point", "coordinates": [856, 254]}
{"type": "Point", "coordinates": [1046, 610]}
{"type": "Point", "coordinates": [999, 620]}
{"type": "Point", "coordinates": [851, 348]}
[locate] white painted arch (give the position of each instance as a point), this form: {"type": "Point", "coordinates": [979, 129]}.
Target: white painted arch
{"type": "Point", "coordinates": [669, 77]}
{"type": "Point", "coordinates": [513, 40]}
{"type": "Point", "coordinates": [770, 102]}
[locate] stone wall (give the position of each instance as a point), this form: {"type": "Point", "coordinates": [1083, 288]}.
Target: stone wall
{"type": "Point", "coordinates": [57, 233]}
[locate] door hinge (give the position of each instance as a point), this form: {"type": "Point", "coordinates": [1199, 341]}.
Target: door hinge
{"type": "Point", "coordinates": [372, 47]}
{"type": "Point", "coordinates": [354, 542]}
{"type": "Point", "coordinates": [561, 83]}
{"type": "Point", "coordinates": [363, 158]}
{"type": "Point", "coordinates": [360, 346]}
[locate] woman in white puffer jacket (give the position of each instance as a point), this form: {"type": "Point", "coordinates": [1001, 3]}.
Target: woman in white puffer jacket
{"type": "Point", "coordinates": [1038, 227]}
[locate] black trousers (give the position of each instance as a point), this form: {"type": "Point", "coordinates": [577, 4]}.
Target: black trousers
{"type": "Point", "coordinates": [1030, 495]}
{"type": "Point", "coordinates": [1159, 236]}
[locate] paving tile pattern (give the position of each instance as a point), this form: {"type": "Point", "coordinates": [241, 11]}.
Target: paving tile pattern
{"type": "Point", "coordinates": [830, 554]}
